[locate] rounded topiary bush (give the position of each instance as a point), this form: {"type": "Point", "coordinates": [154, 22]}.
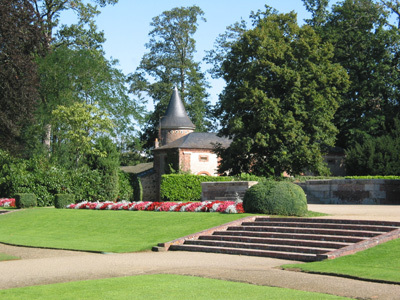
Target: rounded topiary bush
{"type": "Point", "coordinates": [276, 198]}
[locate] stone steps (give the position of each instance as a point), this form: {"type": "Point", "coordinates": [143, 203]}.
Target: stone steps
{"type": "Point", "coordinates": [357, 227]}
{"type": "Point", "coordinates": [289, 238]}
{"type": "Point", "coordinates": [260, 246]}
{"type": "Point", "coordinates": [276, 241]}
{"type": "Point", "coordinates": [251, 252]}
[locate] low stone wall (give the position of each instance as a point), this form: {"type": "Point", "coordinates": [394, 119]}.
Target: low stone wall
{"type": "Point", "coordinates": [224, 190]}
{"type": "Point", "coordinates": [352, 191]}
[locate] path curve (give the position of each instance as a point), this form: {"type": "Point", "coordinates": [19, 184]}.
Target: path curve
{"type": "Point", "coordinates": [43, 266]}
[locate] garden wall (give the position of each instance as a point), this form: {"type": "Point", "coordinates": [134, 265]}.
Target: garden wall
{"type": "Point", "coordinates": [224, 190]}
{"type": "Point", "coordinates": [352, 191]}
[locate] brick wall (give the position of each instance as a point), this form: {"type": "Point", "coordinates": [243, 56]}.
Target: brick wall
{"type": "Point", "coordinates": [199, 161]}
{"type": "Point", "coordinates": [352, 191]}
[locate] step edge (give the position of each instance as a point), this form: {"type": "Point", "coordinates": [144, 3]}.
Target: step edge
{"type": "Point", "coordinates": [360, 246]}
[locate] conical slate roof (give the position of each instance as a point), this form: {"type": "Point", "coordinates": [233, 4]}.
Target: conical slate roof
{"type": "Point", "coordinates": [176, 116]}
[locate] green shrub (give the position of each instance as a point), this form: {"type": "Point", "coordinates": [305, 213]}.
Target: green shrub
{"type": "Point", "coordinates": [84, 184]}
{"type": "Point", "coordinates": [25, 200]}
{"type": "Point", "coordinates": [125, 188]}
{"type": "Point", "coordinates": [275, 198]}
{"type": "Point", "coordinates": [102, 180]}
{"type": "Point", "coordinates": [35, 175]}
{"type": "Point", "coordinates": [185, 187]}
{"type": "Point", "coordinates": [62, 200]}
{"type": "Point", "coordinates": [375, 155]}
{"type": "Point", "coordinates": [108, 167]}
{"type": "Point", "coordinates": [250, 177]}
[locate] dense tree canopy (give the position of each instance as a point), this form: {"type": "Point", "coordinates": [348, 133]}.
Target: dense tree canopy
{"type": "Point", "coordinates": [367, 47]}
{"type": "Point", "coordinates": [170, 62]}
{"type": "Point", "coordinates": [281, 95]}
{"type": "Point", "coordinates": [21, 40]}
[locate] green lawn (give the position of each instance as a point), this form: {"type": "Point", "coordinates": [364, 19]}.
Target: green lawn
{"type": "Point", "coordinates": [159, 286]}
{"type": "Point", "coordinates": [378, 263]}
{"type": "Point", "coordinates": [106, 231]}
{"type": "Point", "coordinates": [4, 256]}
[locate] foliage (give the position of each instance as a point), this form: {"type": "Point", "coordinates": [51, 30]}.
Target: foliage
{"type": "Point", "coordinates": [374, 177]}
{"type": "Point", "coordinates": [281, 95]}
{"type": "Point", "coordinates": [84, 75]}
{"type": "Point", "coordinates": [75, 69]}
{"type": "Point", "coordinates": [31, 176]}
{"type": "Point", "coordinates": [185, 187]}
{"type": "Point", "coordinates": [25, 200]}
{"type": "Point", "coordinates": [125, 191]}
{"type": "Point", "coordinates": [78, 125]}
{"type": "Point", "coordinates": [276, 198]}
{"type": "Point", "coordinates": [377, 263]}
{"type": "Point", "coordinates": [375, 155]}
{"type": "Point", "coordinates": [62, 200]}
{"type": "Point", "coordinates": [170, 62]}
{"type": "Point", "coordinates": [20, 40]}
{"type": "Point", "coordinates": [85, 183]}
{"type": "Point", "coordinates": [367, 47]}
{"type": "Point", "coordinates": [108, 166]}
{"type": "Point", "coordinates": [250, 177]}
{"type": "Point", "coordinates": [39, 176]}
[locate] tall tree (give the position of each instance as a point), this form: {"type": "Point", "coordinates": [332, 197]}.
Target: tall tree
{"type": "Point", "coordinates": [368, 49]}
{"type": "Point", "coordinates": [70, 75]}
{"type": "Point", "coordinates": [20, 40]}
{"type": "Point", "coordinates": [74, 68]}
{"type": "Point", "coordinates": [170, 62]}
{"type": "Point", "coordinates": [281, 95]}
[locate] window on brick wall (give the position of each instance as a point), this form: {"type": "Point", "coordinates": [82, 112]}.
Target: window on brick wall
{"type": "Point", "coordinates": [203, 158]}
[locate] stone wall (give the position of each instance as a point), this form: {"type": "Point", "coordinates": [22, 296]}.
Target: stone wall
{"type": "Point", "coordinates": [224, 190]}
{"type": "Point", "coordinates": [352, 191]}
{"type": "Point", "coordinates": [150, 187]}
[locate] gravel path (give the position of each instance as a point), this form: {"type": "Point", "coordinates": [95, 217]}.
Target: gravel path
{"type": "Point", "coordinates": [44, 266]}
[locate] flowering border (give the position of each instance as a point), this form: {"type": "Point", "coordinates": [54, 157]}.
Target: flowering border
{"type": "Point", "coordinates": [231, 207]}
{"type": "Point", "coordinates": [7, 202]}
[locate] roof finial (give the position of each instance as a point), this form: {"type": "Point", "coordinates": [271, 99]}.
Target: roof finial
{"type": "Point", "coordinates": [176, 117]}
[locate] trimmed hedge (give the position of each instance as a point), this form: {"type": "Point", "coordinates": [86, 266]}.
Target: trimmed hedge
{"type": "Point", "coordinates": [25, 200]}
{"type": "Point", "coordinates": [276, 198]}
{"type": "Point", "coordinates": [185, 187]}
{"type": "Point", "coordinates": [388, 177]}
{"type": "Point", "coordinates": [62, 200]}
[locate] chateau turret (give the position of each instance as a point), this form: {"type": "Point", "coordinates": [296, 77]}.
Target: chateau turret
{"type": "Point", "coordinates": [176, 123]}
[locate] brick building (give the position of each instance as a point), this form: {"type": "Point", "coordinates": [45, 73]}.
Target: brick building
{"type": "Point", "coordinates": [180, 149]}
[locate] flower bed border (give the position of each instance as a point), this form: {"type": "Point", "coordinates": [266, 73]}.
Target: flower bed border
{"type": "Point", "coordinates": [7, 202]}
{"type": "Point", "coordinates": [232, 207]}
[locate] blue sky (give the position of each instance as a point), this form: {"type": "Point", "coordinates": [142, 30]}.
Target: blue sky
{"type": "Point", "coordinates": [126, 26]}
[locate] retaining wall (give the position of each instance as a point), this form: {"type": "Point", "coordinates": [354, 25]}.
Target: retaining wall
{"type": "Point", "coordinates": [224, 190]}
{"type": "Point", "coordinates": [352, 191]}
